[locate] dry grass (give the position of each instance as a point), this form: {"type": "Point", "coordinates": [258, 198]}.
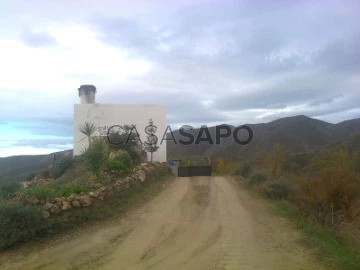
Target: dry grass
{"type": "Point", "coordinates": [331, 197]}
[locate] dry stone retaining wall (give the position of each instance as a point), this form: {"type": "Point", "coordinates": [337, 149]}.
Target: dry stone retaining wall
{"type": "Point", "coordinates": [141, 174]}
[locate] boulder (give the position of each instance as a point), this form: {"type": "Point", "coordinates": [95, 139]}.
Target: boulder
{"type": "Point", "coordinates": [95, 184]}
{"type": "Point", "coordinates": [102, 189]}
{"type": "Point", "coordinates": [140, 175]}
{"type": "Point", "coordinates": [76, 204]}
{"type": "Point", "coordinates": [72, 197]}
{"type": "Point", "coordinates": [141, 153]}
{"type": "Point", "coordinates": [117, 183]}
{"type": "Point", "coordinates": [65, 206]}
{"type": "Point", "coordinates": [57, 201]}
{"type": "Point", "coordinates": [55, 210]}
{"type": "Point", "coordinates": [127, 179]}
{"type": "Point", "coordinates": [115, 154]}
{"type": "Point", "coordinates": [85, 200]}
{"type": "Point", "coordinates": [25, 184]}
{"type": "Point", "coordinates": [47, 206]}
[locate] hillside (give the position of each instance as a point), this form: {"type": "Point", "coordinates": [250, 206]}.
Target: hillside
{"type": "Point", "coordinates": [16, 168]}
{"type": "Point", "coordinates": [298, 133]}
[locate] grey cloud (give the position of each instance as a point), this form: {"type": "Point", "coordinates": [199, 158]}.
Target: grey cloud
{"type": "Point", "coordinates": [290, 89]}
{"type": "Point", "coordinates": [181, 108]}
{"type": "Point", "coordinates": [245, 33]}
{"type": "Point", "coordinates": [324, 100]}
{"type": "Point", "coordinates": [216, 47]}
{"type": "Point", "coordinates": [341, 55]}
{"type": "Point", "coordinates": [289, 54]}
{"type": "Point", "coordinates": [136, 37]}
{"type": "Point", "coordinates": [336, 117]}
{"type": "Point", "coordinates": [335, 107]}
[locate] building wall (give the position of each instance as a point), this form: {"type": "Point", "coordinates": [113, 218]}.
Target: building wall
{"type": "Point", "coordinates": [107, 115]}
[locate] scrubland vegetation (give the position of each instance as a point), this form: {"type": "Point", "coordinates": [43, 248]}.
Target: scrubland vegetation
{"type": "Point", "coordinates": [321, 195]}
{"type": "Point", "coordinates": [101, 164]}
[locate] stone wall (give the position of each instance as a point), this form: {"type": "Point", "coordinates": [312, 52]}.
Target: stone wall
{"type": "Point", "coordinates": [141, 173]}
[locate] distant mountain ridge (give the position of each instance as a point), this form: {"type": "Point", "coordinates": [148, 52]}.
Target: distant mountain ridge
{"type": "Point", "coordinates": [300, 134]}
{"type": "Point", "coordinates": [297, 133]}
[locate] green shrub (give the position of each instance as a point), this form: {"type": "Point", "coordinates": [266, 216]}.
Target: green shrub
{"type": "Point", "coordinates": [279, 189]}
{"type": "Point", "coordinates": [45, 173]}
{"type": "Point", "coordinates": [124, 138]}
{"type": "Point", "coordinates": [275, 159]}
{"type": "Point", "coordinates": [116, 165]}
{"type": "Point", "coordinates": [125, 158]}
{"type": "Point", "coordinates": [336, 157]}
{"type": "Point", "coordinates": [61, 166]}
{"type": "Point", "coordinates": [96, 156]}
{"type": "Point", "coordinates": [42, 192]}
{"type": "Point", "coordinates": [135, 157]}
{"type": "Point", "coordinates": [244, 170]}
{"type": "Point", "coordinates": [120, 163]}
{"type": "Point", "coordinates": [257, 178]}
{"type": "Point", "coordinates": [19, 223]}
{"type": "Point", "coordinates": [8, 189]}
{"type": "Point", "coordinates": [66, 191]}
{"type": "Point", "coordinates": [224, 167]}
{"type": "Point", "coordinates": [30, 176]}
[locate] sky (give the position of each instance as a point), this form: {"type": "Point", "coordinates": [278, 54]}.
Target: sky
{"type": "Point", "coordinates": [208, 62]}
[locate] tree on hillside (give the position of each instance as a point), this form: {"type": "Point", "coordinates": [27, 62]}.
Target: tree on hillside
{"type": "Point", "coordinates": [220, 166]}
{"type": "Point", "coordinates": [88, 130]}
{"type": "Point", "coordinates": [336, 158]}
{"type": "Point", "coordinates": [223, 167]}
{"type": "Point", "coordinates": [275, 159]}
{"type": "Point", "coordinates": [123, 137]}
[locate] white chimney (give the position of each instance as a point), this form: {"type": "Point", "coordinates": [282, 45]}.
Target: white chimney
{"type": "Point", "coordinates": [87, 94]}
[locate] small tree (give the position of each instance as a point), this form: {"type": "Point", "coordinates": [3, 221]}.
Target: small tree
{"type": "Point", "coordinates": [244, 170]}
{"type": "Point", "coordinates": [88, 130]}
{"type": "Point", "coordinates": [220, 166]}
{"type": "Point", "coordinates": [123, 137]}
{"type": "Point", "coordinates": [223, 167]}
{"type": "Point", "coordinates": [151, 148]}
{"type": "Point", "coordinates": [336, 158]}
{"type": "Point", "coordinates": [96, 156]}
{"type": "Point", "coordinates": [150, 145]}
{"type": "Point", "coordinates": [275, 159]}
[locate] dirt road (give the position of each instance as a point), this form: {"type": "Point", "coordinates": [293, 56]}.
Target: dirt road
{"type": "Point", "coordinates": [195, 223]}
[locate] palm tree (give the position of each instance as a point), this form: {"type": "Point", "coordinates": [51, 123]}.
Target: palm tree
{"type": "Point", "coordinates": [88, 129]}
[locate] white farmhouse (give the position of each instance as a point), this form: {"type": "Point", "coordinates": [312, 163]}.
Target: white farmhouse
{"type": "Point", "coordinates": [104, 116]}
